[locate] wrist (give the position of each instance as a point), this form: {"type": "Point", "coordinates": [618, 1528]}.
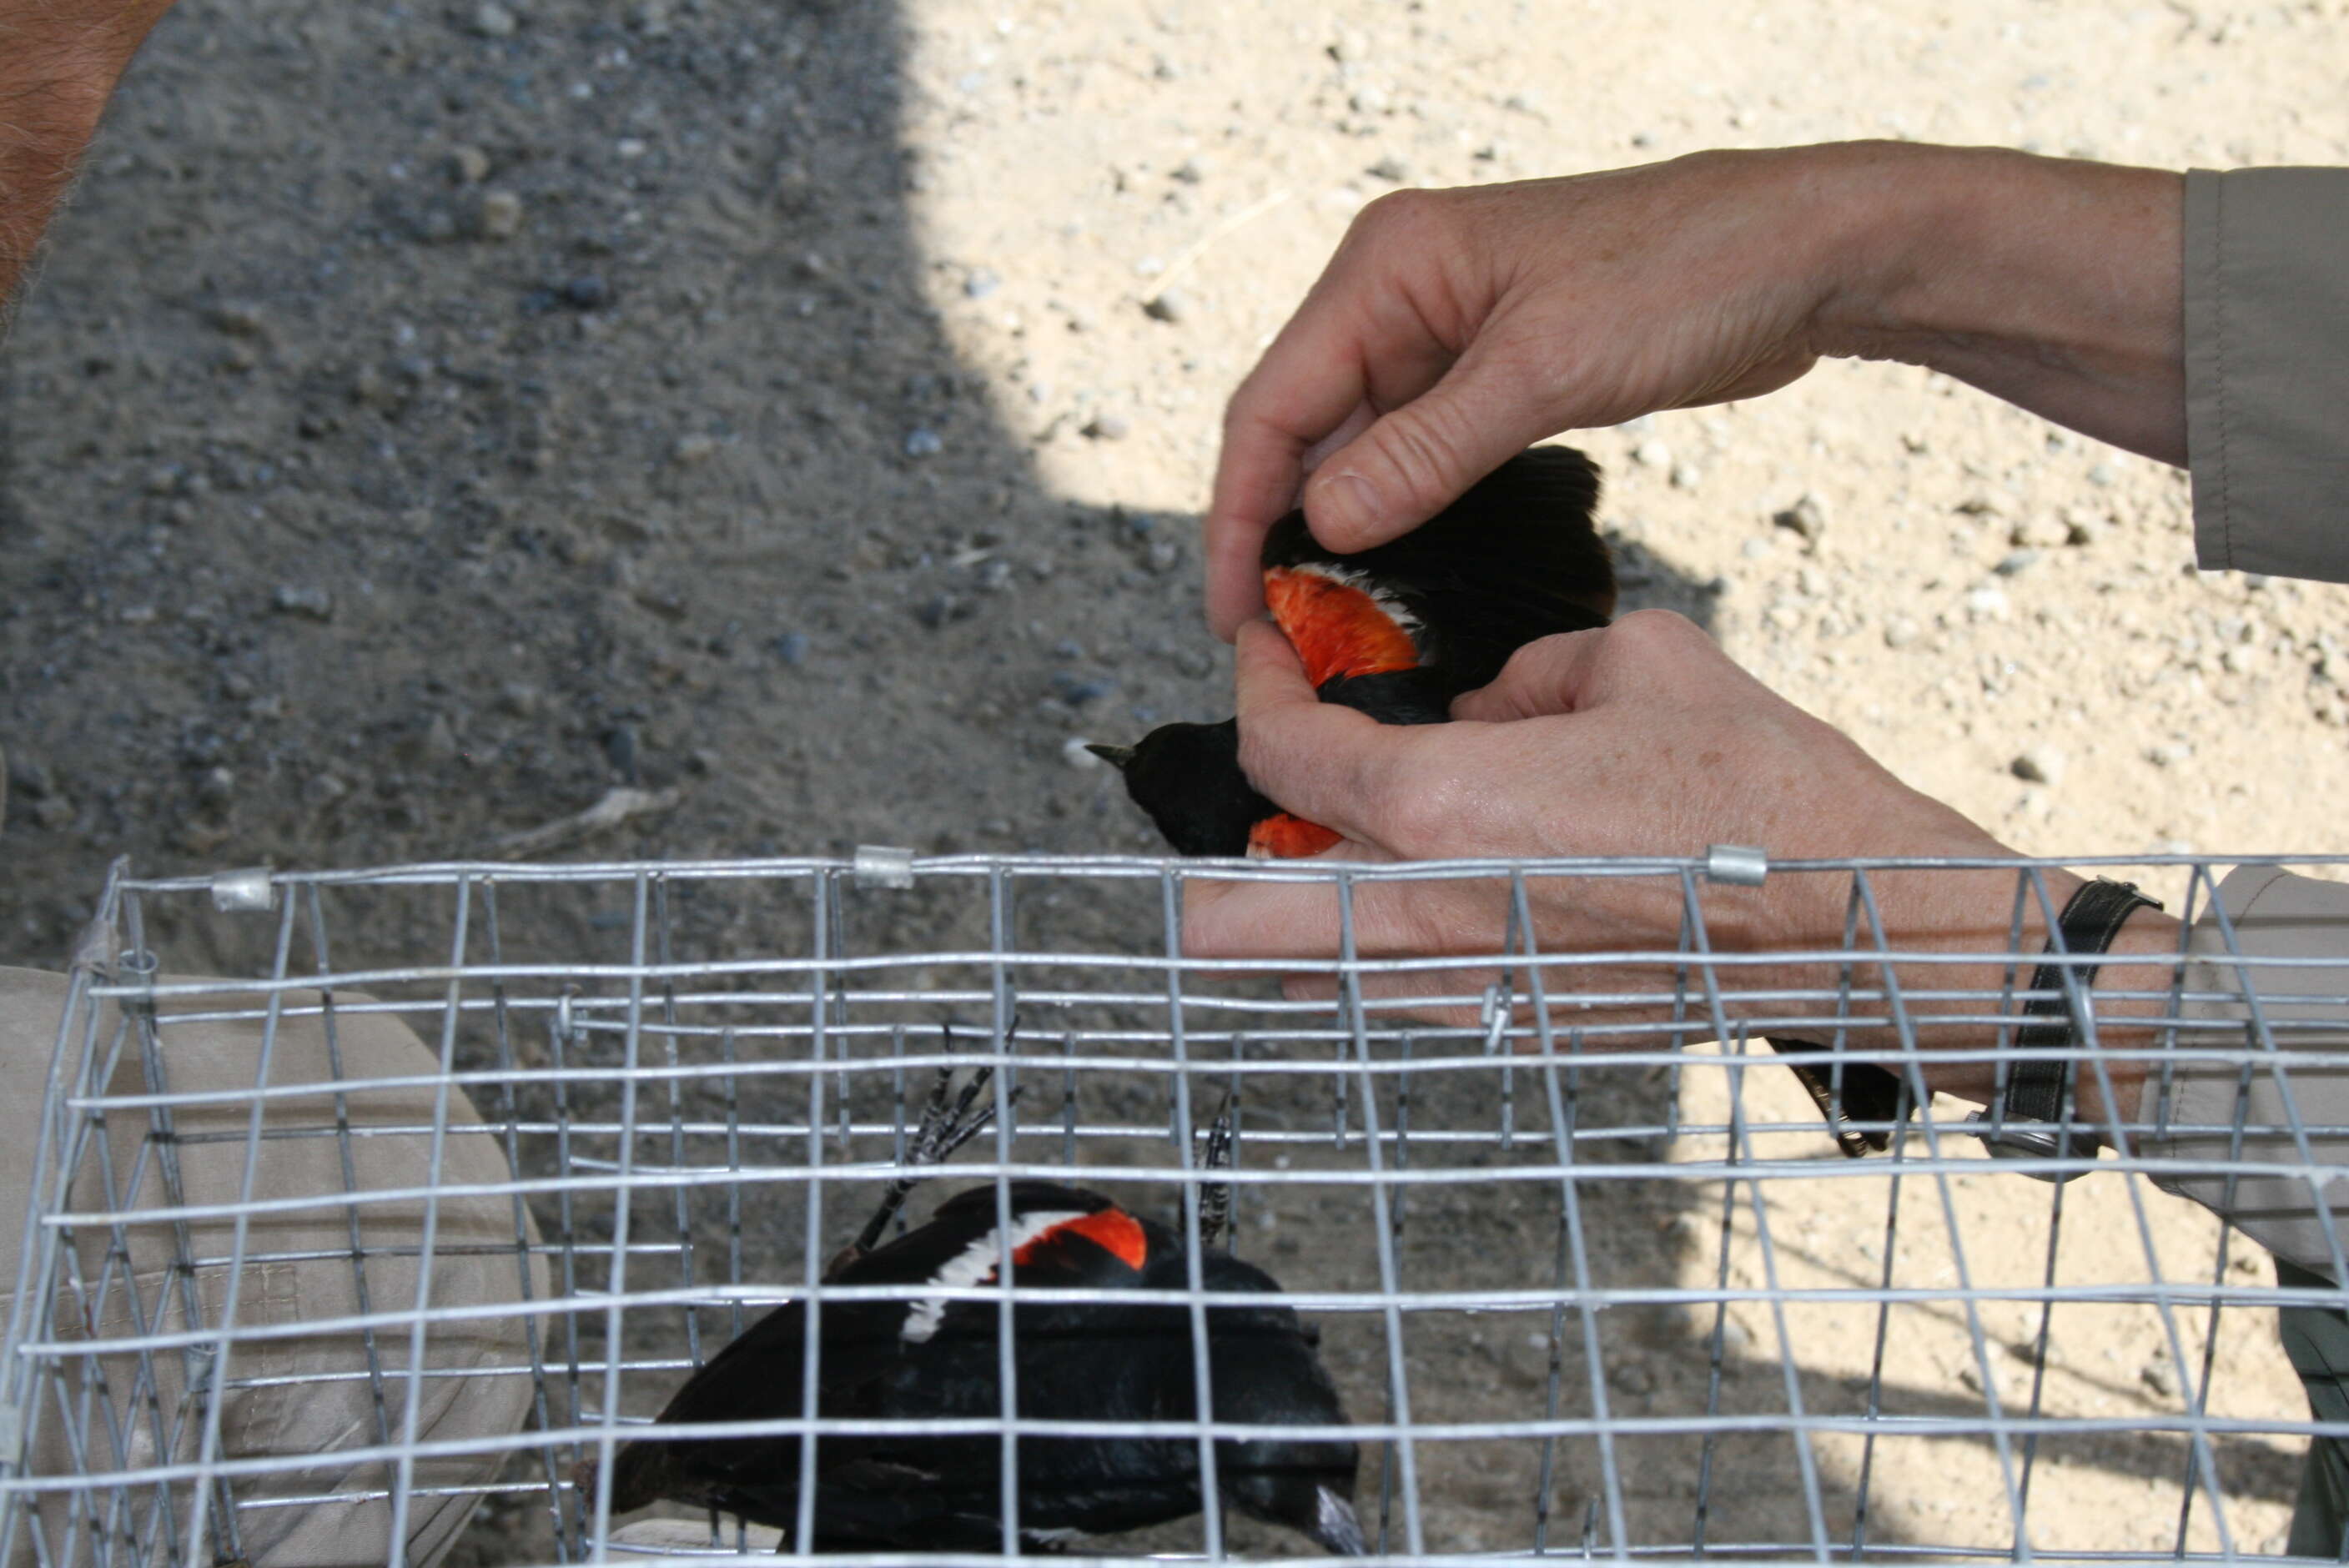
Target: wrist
{"type": "Point", "coordinates": [2054, 284]}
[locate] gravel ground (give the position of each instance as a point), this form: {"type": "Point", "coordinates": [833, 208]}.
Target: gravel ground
{"type": "Point", "coordinates": [431, 418]}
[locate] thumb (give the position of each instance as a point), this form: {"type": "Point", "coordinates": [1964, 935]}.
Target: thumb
{"type": "Point", "coordinates": [1549, 676]}
{"type": "Point", "coordinates": [1418, 459]}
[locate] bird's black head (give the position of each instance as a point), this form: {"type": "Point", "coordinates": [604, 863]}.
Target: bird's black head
{"type": "Point", "coordinates": [1188, 778]}
{"type": "Point", "coordinates": [1265, 1372]}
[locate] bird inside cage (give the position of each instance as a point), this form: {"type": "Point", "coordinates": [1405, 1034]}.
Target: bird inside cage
{"type": "Point", "coordinates": [1114, 1362]}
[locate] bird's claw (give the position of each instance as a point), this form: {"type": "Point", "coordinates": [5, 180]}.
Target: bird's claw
{"type": "Point", "coordinates": [1216, 1198]}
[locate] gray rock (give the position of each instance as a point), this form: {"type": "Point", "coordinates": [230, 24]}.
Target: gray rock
{"type": "Point", "coordinates": [1652, 454]}
{"type": "Point", "coordinates": [588, 290]}
{"type": "Point", "coordinates": [1108, 427]}
{"type": "Point", "coordinates": [792, 647]}
{"type": "Point", "coordinates": [468, 164]}
{"type": "Point", "coordinates": [314, 603]}
{"type": "Point", "coordinates": [2016, 561]}
{"type": "Point", "coordinates": [238, 318]}
{"type": "Point", "coordinates": [1190, 171]}
{"type": "Point", "coordinates": [980, 283]}
{"type": "Point", "coordinates": [1171, 305]}
{"type": "Point", "coordinates": [1687, 476]}
{"type": "Point", "coordinates": [2039, 764]}
{"type": "Point", "coordinates": [1899, 631]}
{"type": "Point", "coordinates": [2160, 1376]}
{"type": "Point", "coordinates": [1392, 170]}
{"type": "Point", "coordinates": [924, 443]}
{"type": "Point", "coordinates": [492, 20]}
{"type": "Point", "coordinates": [693, 449]}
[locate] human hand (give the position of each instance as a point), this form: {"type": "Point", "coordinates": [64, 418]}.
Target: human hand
{"type": "Point", "coordinates": [1454, 328]}
{"type": "Point", "coordinates": [1639, 739]}
{"type": "Point", "coordinates": [59, 62]}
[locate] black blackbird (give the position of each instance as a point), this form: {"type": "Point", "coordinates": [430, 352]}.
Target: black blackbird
{"type": "Point", "coordinates": [1084, 1361]}
{"type": "Point", "coordinates": [1398, 630]}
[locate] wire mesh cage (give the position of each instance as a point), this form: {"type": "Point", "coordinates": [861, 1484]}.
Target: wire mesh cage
{"type": "Point", "coordinates": [388, 1238]}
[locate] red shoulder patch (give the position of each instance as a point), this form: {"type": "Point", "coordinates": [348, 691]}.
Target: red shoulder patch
{"type": "Point", "coordinates": [1336, 628]}
{"type": "Point", "coordinates": [1286, 838]}
{"type": "Point", "coordinates": [1113, 1230]}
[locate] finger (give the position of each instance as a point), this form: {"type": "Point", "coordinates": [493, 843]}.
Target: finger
{"type": "Point", "coordinates": [1551, 675]}
{"type": "Point", "coordinates": [1308, 383]}
{"type": "Point", "coordinates": [1356, 344]}
{"type": "Point", "coordinates": [1311, 757]}
{"type": "Point", "coordinates": [1418, 459]}
{"type": "Point", "coordinates": [1235, 549]}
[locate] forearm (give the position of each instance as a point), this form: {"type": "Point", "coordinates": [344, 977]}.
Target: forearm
{"type": "Point", "coordinates": [2053, 284]}
{"type": "Point", "coordinates": [58, 64]}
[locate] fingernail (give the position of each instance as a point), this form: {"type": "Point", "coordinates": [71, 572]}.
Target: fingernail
{"type": "Point", "coordinates": [1346, 504]}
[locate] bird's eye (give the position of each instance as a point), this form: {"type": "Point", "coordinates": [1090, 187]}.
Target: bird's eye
{"type": "Point", "coordinates": [1312, 1332]}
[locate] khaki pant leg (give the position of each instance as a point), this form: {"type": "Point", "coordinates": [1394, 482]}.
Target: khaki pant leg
{"type": "Point", "coordinates": [302, 1397]}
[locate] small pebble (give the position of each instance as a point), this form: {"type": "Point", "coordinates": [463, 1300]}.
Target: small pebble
{"type": "Point", "coordinates": [1652, 454]}
{"type": "Point", "coordinates": [1392, 170]}
{"type": "Point", "coordinates": [239, 319]}
{"type": "Point", "coordinates": [1077, 690]}
{"type": "Point", "coordinates": [981, 283]}
{"type": "Point", "coordinates": [1756, 549]}
{"type": "Point", "coordinates": [924, 443]}
{"type": "Point", "coordinates": [693, 449]}
{"type": "Point", "coordinates": [2160, 1376]}
{"type": "Point", "coordinates": [588, 290]}
{"type": "Point", "coordinates": [1632, 1377]}
{"type": "Point", "coordinates": [1190, 171]}
{"type": "Point", "coordinates": [314, 603]}
{"type": "Point", "coordinates": [468, 165]}
{"type": "Point", "coordinates": [497, 216]}
{"type": "Point", "coordinates": [1108, 427]}
{"type": "Point", "coordinates": [2039, 533]}
{"type": "Point", "coordinates": [1171, 305]}
{"type": "Point", "coordinates": [492, 20]}
{"type": "Point", "coordinates": [1687, 476]}
{"type": "Point", "coordinates": [1986, 603]}
{"type": "Point", "coordinates": [1808, 518]}
{"type": "Point", "coordinates": [792, 647]}
{"type": "Point", "coordinates": [2102, 474]}
{"type": "Point", "coordinates": [2015, 562]}
{"type": "Point", "coordinates": [2039, 764]}
{"type": "Point", "coordinates": [1899, 631]}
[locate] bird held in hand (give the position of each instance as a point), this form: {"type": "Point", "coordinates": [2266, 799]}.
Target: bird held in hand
{"type": "Point", "coordinates": [1400, 630]}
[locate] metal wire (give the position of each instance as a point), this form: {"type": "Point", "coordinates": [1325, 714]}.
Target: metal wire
{"type": "Point", "coordinates": [1643, 1310]}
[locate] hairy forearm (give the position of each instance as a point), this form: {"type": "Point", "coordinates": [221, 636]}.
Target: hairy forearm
{"type": "Point", "coordinates": [2054, 284]}
{"type": "Point", "coordinates": [59, 61]}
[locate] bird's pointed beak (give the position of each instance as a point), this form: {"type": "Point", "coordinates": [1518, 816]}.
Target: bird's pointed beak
{"type": "Point", "coordinates": [1335, 1526]}
{"type": "Point", "coordinates": [1116, 757]}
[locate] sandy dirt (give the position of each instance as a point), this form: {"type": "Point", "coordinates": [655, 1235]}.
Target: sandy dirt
{"type": "Point", "coordinates": [432, 417]}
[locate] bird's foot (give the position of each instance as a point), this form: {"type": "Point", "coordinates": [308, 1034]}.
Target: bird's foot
{"type": "Point", "coordinates": [948, 1121]}
{"type": "Point", "coordinates": [1215, 1197]}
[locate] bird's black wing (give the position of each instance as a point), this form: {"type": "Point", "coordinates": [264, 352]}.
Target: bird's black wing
{"type": "Point", "coordinates": [1515, 559]}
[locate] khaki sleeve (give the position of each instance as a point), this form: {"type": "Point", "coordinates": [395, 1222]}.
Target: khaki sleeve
{"type": "Point", "coordinates": [2267, 369]}
{"type": "Point", "coordinates": [2263, 1063]}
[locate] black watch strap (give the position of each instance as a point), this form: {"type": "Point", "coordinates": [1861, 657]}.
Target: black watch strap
{"type": "Point", "coordinates": [2035, 1089]}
